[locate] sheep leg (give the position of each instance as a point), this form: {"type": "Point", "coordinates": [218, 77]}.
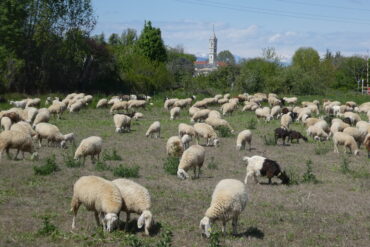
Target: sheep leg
{"type": "Point", "coordinates": [92, 159]}
{"type": "Point", "coordinates": [127, 221]}
{"type": "Point", "coordinates": [235, 225]}
{"type": "Point", "coordinates": [97, 219]}
{"type": "Point", "coordinates": [7, 153]}
{"type": "Point", "coordinates": [101, 216]}
{"type": "Point", "coordinates": [16, 155]}
{"type": "Point", "coordinates": [75, 206]}
{"type": "Point", "coordinates": [250, 146]}
{"type": "Point", "coordinates": [195, 172]}
{"type": "Point", "coordinates": [40, 140]}
{"type": "Point", "coordinates": [336, 148]}
{"type": "Point", "coordinates": [223, 226]}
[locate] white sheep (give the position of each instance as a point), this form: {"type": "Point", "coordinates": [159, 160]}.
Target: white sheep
{"type": "Point", "coordinates": [76, 106]}
{"type": "Point", "coordinates": [33, 102]}
{"type": "Point", "coordinates": [98, 195]}
{"type": "Point", "coordinates": [244, 137]}
{"type": "Point", "coordinates": [31, 113]}
{"type": "Point", "coordinates": [138, 115]}
{"type": "Point", "coordinates": [119, 105]}
{"type": "Point", "coordinates": [6, 123]}
{"type": "Point", "coordinates": [122, 122]}
{"type": "Point", "coordinates": [102, 103]}
{"type": "Point", "coordinates": [264, 113]}
{"type": "Point", "coordinates": [214, 114]}
{"type": "Point", "coordinates": [193, 110]}
{"type": "Point", "coordinates": [136, 104]}
{"type": "Point", "coordinates": [49, 132]}
{"type": "Point", "coordinates": [356, 134]}
{"type": "Point", "coordinates": [206, 131]}
{"type": "Point", "coordinates": [338, 126]}
{"type": "Point", "coordinates": [11, 139]}
{"type": "Point", "coordinates": [154, 129]}
{"type": "Point", "coordinates": [70, 137]}
{"type": "Point", "coordinates": [340, 138]}
{"type": "Point", "coordinates": [20, 104]}
{"type": "Point", "coordinates": [174, 146]}
{"type": "Point", "coordinates": [276, 111]}
{"type": "Point", "coordinates": [291, 100]}
{"type": "Point", "coordinates": [186, 139]}
{"type": "Point", "coordinates": [228, 201]}
{"type": "Point", "coordinates": [323, 125]}
{"type": "Point", "coordinates": [193, 157]}
{"type": "Point", "coordinates": [183, 102]}
{"type": "Point", "coordinates": [89, 146]}
{"type": "Point", "coordinates": [42, 116]}
{"type": "Point", "coordinates": [175, 112]}
{"type": "Point", "coordinates": [169, 103]}
{"type": "Point", "coordinates": [186, 129]}
{"type": "Point", "coordinates": [200, 115]}
{"type": "Point", "coordinates": [25, 127]}
{"type": "Point", "coordinates": [317, 133]}
{"type": "Point", "coordinates": [286, 120]}
{"type": "Point", "coordinates": [136, 199]}
{"type": "Point", "coordinates": [216, 122]}
{"type": "Point", "coordinates": [228, 108]}
{"type": "Point", "coordinates": [57, 109]}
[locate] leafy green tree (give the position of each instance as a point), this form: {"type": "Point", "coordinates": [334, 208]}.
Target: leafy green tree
{"type": "Point", "coordinates": [128, 36]}
{"type": "Point", "coordinates": [306, 58]}
{"type": "Point", "coordinates": [114, 39]}
{"type": "Point", "coordinates": [226, 57]}
{"type": "Point", "coordinates": [150, 43]}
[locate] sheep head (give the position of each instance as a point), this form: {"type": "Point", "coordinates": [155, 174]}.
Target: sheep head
{"type": "Point", "coordinates": [146, 218]}
{"type": "Point", "coordinates": [205, 227]}
{"type": "Point", "coordinates": [216, 142]}
{"type": "Point", "coordinates": [284, 177]}
{"type": "Point", "coordinates": [181, 173]}
{"type": "Point", "coordinates": [110, 221]}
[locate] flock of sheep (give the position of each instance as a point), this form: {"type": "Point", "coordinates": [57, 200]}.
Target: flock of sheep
{"type": "Point", "coordinates": [25, 123]}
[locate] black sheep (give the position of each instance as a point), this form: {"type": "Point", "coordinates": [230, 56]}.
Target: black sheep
{"type": "Point", "coordinates": [296, 135]}
{"type": "Point", "coordinates": [281, 133]}
{"type": "Point", "coordinates": [271, 168]}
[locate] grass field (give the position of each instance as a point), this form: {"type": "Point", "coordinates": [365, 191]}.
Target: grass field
{"type": "Point", "coordinates": [327, 206]}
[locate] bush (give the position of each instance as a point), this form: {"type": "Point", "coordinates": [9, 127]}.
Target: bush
{"type": "Point", "coordinates": [166, 239]}
{"type": "Point", "coordinates": [269, 140]}
{"type": "Point", "coordinates": [214, 240]}
{"type": "Point", "coordinates": [294, 177]}
{"type": "Point", "coordinates": [251, 123]}
{"type": "Point", "coordinates": [171, 164]}
{"type": "Point", "coordinates": [71, 162]}
{"type": "Point", "coordinates": [48, 168]}
{"type": "Point", "coordinates": [321, 149]}
{"type": "Point", "coordinates": [126, 172]}
{"type": "Point", "coordinates": [309, 176]}
{"type": "Point", "coordinates": [111, 156]}
{"type": "Point", "coordinates": [47, 228]}
{"type": "Point", "coordinates": [212, 164]}
{"type": "Point", "coordinates": [101, 166]}
{"type": "Point", "coordinates": [224, 131]}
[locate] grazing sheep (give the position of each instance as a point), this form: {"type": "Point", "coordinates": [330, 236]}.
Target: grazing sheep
{"type": "Point", "coordinates": [70, 137]}
{"type": "Point", "coordinates": [138, 115]}
{"type": "Point", "coordinates": [25, 127]}
{"type": "Point", "coordinates": [119, 105]}
{"type": "Point", "coordinates": [175, 112]}
{"type": "Point", "coordinates": [154, 128]}
{"type": "Point", "coordinates": [6, 123]}
{"type": "Point", "coordinates": [214, 114]}
{"type": "Point", "coordinates": [136, 199]}
{"type": "Point", "coordinates": [276, 111]}
{"type": "Point", "coordinates": [182, 103]}
{"type": "Point", "coordinates": [200, 115]}
{"type": "Point", "coordinates": [174, 146]}
{"type": "Point", "coordinates": [287, 119]}
{"type": "Point", "coordinates": [192, 157]}
{"type": "Point", "coordinates": [185, 129]}
{"type": "Point", "coordinates": [244, 137]}
{"type": "Point", "coordinates": [261, 166]}
{"type": "Point", "coordinates": [228, 200]}
{"type": "Point", "coordinates": [291, 100]}
{"type": "Point", "coordinates": [250, 106]}
{"type": "Point", "coordinates": [281, 133]}
{"type": "Point", "coordinates": [12, 139]}
{"type": "Point", "coordinates": [77, 106]}
{"type": "Point", "coordinates": [206, 131]}
{"type": "Point", "coordinates": [367, 144]}
{"type": "Point", "coordinates": [102, 103]}
{"type": "Point", "coordinates": [363, 127]}
{"type": "Point", "coordinates": [273, 101]}
{"type": "Point", "coordinates": [57, 109]}
{"type": "Point", "coordinates": [13, 116]}
{"type": "Point", "coordinates": [218, 122]}
{"type": "Point", "coordinates": [89, 146]}
{"type": "Point", "coordinates": [354, 117]}
{"type": "Point", "coordinates": [228, 108]}
{"type": "Point", "coordinates": [42, 116]}
{"type": "Point", "coordinates": [193, 110]}
{"type": "Point", "coordinates": [338, 126]}
{"type": "Point", "coordinates": [356, 134]}
{"type": "Point", "coordinates": [49, 132]}
{"type": "Point", "coordinates": [186, 139]}
{"type": "Point", "coordinates": [136, 104]}
{"type": "Point", "coordinates": [323, 125]}
{"type": "Point", "coordinates": [295, 135]}
{"type": "Point", "coordinates": [311, 121]}
{"type": "Point", "coordinates": [340, 138]}
{"type": "Point", "coordinates": [33, 102]}
{"type": "Point", "coordinates": [31, 113]}
{"type": "Point", "coordinates": [20, 104]}
{"type": "Point", "coordinates": [122, 123]}
{"type": "Point", "coordinates": [169, 103]}
{"type": "Point", "coordinates": [317, 133]}
{"type": "Point", "coordinates": [264, 113]}
{"type": "Point", "coordinates": [98, 195]}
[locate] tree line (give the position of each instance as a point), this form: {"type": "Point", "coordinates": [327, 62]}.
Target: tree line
{"type": "Point", "coordinates": [47, 46]}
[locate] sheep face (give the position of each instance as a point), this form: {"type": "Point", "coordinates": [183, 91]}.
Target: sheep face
{"type": "Point", "coordinates": [205, 227]}
{"type": "Point", "coordinates": [216, 142]}
{"type": "Point", "coordinates": [146, 218]}
{"type": "Point", "coordinates": [110, 221]}
{"type": "Point", "coordinates": [284, 177]}
{"type": "Point", "coordinates": [35, 156]}
{"type": "Point", "coordinates": [181, 173]}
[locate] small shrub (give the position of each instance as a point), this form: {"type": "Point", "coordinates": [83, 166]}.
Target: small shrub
{"type": "Point", "coordinates": [71, 162]}
{"type": "Point", "coordinates": [101, 166]}
{"type": "Point", "coordinates": [48, 168]}
{"type": "Point", "coordinates": [214, 240]}
{"type": "Point", "coordinates": [269, 140]}
{"type": "Point", "coordinates": [111, 156]}
{"type": "Point", "coordinates": [133, 241]}
{"type": "Point", "coordinates": [321, 149]}
{"type": "Point", "coordinates": [126, 172]}
{"type": "Point", "coordinates": [47, 228]}
{"type": "Point", "coordinates": [171, 164]}
{"type": "Point", "coordinates": [166, 239]}
{"type": "Point", "coordinates": [294, 177]}
{"type": "Point", "coordinates": [251, 123]}
{"type": "Point", "coordinates": [344, 165]}
{"type": "Point", "coordinates": [309, 176]}
{"type": "Point", "coordinates": [224, 131]}
{"type": "Point", "coordinates": [212, 164]}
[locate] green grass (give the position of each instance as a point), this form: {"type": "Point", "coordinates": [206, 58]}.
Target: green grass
{"type": "Point", "coordinates": [47, 227]}
{"type": "Point", "coordinates": [101, 166]}
{"type": "Point", "coordinates": [269, 140]}
{"type": "Point", "coordinates": [224, 131]}
{"type": "Point", "coordinates": [321, 148]}
{"type": "Point", "coordinates": [126, 172]}
{"type": "Point", "coordinates": [171, 164]}
{"type": "Point", "coordinates": [48, 168]}
{"type": "Point", "coordinates": [212, 164]}
{"type": "Point", "coordinates": [70, 162]}
{"type": "Point", "coordinates": [113, 155]}
{"type": "Point", "coordinates": [309, 176]}
{"type": "Point", "coordinates": [252, 123]}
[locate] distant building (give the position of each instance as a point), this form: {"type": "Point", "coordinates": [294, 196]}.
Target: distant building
{"type": "Point", "coordinates": [205, 67]}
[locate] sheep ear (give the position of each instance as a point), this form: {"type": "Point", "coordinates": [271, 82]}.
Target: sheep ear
{"type": "Point", "coordinates": [140, 221]}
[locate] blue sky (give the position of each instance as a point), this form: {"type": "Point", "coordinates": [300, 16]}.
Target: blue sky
{"type": "Point", "coordinates": [245, 27]}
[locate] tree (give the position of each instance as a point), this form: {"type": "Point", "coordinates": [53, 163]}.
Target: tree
{"type": "Point", "coordinates": [128, 36]}
{"type": "Point", "coordinates": [270, 54]}
{"type": "Point", "coordinates": [226, 57]}
{"type": "Point", "coordinates": [307, 59]}
{"type": "Point", "coordinates": [150, 43]}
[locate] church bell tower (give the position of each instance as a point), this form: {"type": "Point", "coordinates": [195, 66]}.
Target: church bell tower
{"type": "Point", "coordinates": [212, 56]}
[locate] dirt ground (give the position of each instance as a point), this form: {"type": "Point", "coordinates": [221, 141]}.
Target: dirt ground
{"type": "Point", "coordinates": [333, 212]}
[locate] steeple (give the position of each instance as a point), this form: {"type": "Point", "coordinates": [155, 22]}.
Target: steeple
{"type": "Point", "coordinates": [212, 55]}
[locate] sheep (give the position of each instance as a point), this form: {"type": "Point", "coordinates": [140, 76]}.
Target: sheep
{"type": "Point", "coordinates": [261, 166]}
{"type": "Point", "coordinates": [70, 137]}
{"type": "Point", "coordinates": [218, 122]}
{"type": "Point", "coordinates": [310, 121]}
{"type": "Point", "coordinates": [304, 114]}
{"type": "Point", "coordinates": [250, 106]}
{"type": "Point", "coordinates": [136, 104]}
{"type": "Point", "coordinates": [323, 125]}
{"type": "Point", "coordinates": [122, 122]}
{"type": "Point", "coordinates": [200, 115]}
{"type": "Point", "coordinates": [154, 128]}
{"type": "Point", "coordinates": [354, 117]}
{"type": "Point", "coordinates": [20, 104]}
{"type": "Point", "coordinates": [174, 146]}
{"type": "Point", "coordinates": [222, 101]}
{"type": "Point", "coordinates": [33, 102]}
{"type": "Point", "coordinates": [264, 113]}
{"type": "Point", "coordinates": [6, 123]}
{"type": "Point", "coordinates": [186, 139]}
{"type": "Point", "coordinates": [193, 110]}
{"type": "Point", "coordinates": [192, 157]}
{"type": "Point", "coordinates": [363, 127]}
{"type": "Point", "coordinates": [98, 195]}
{"type": "Point", "coordinates": [291, 100]}
{"type": "Point", "coordinates": [136, 199]}
{"type": "Point", "coordinates": [340, 138]}
{"type": "Point", "coordinates": [138, 115]}
{"type": "Point", "coordinates": [276, 111]}
{"type": "Point", "coordinates": [42, 116]}
{"type": "Point", "coordinates": [89, 146]}
{"type": "Point", "coordinates": [175, 112]}
{"type": "Point", "coordinates": [228, 200]}
{"type": "Point", "coordinates": [169, 103]}
{"type": "Point", "coordinates": [317, 133]}
{"type": "Point", "coordinates": [12, 139]}
{"type": "Point", "coordinates": [102, 103]}
{"type": "Point", "coordinates": [206, 131]}
{"type": "Point", "coordinates": [273, 101]}
{"type": "Point", "coordinates": [338, 126]}
{"type": "Point", "coordinates": [182, 103]}
{"type": "Point", "coordinates": [351, 104]}
{"type": "Point", "coordinates": [214, 114]}
{"type": "Point", "coordinates": [88, 98]}
{"type": "Point", "coordinates": [244, 137]}
{"type": "Point", "coordinates": [12, 115]}
{"type": "Point", "coordinates": [367, 144]}
{"type": "Point", "coordinates": [76, 107]}
{"type": "Point", "coordinates": [25, 127]}
{"type": "Point", "coordinates": [49, 132]}
{"type": "Point", "coordinates": [368, 115]}
{"type": "Point", "coordinates": [31, 113]}
{"type": "Point", "coordinates": [286, 120]}
{"type": "Point", "coordinates": [228, 108]}
{"type": "Point", "coordinates": [57, 109]}
{"type": "Point", "coordinates": [356, 134]}
{"type": "Point", "coordinates": [186, 129]}
{"type": "Point", "coordinates": [296, 135]}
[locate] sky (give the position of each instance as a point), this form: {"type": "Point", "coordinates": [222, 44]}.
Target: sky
{"type": "Point", "coordinates": [245, 27]}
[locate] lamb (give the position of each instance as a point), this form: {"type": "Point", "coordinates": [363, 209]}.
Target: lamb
{"type": "Point", "coordinates": [33, 102]}
{"type": "Point", "coordinates": [206, 131]}
{"type": "Point", "coordinates": [136, 199]}
{"type": "Point", "coordinates": [154, 128]}
{"type": "Point", "coordinates": [186, 129]}
{"type": "Point", "coordinates": [70, 137]}
{"type": "Point", "coordinates": [89, 146]}
{"type": "Point", "coordinates": [244, 137]}
{"type": "Point", "coordinates": [295, 135]}
{"type": "Point", "coordinates": [260, 166]}
{"type": "Point", "coordinates": [138, 115]}
{"type": "Point", "coordinates": [88, 98]}
{"type": "Point", "coordinates": [356, 134]}
{"type": "Point", "coordinates": [42, 116]}
{"type": "Point", "coordinates": [317, 133]}
{"type": "Point", "coordinates": [49, 132]}
{"type": "Point", "coordinates": [77, 106]}
{"type": "Point", "coordinates": [186, 139]}
{"type": "Point", "coordinates": [340, 138]}
{"type": "Point", "coordinates": [192, 157]}
{"type": "Point", "coordinates": [122, 122]}
{"type": "Point", "coordinates": [228, 200]}
{"type": "Point", "coordinates": [98, 195]}
{"type": "Point", "coordinates": [214, 114]}
{"type": "Point", "coordinates": [102, 103]}
{"type": "Point", "coordinates": [6, 123]}
{"type": "Point", "coordinates": [264, 113]}
{"type": "Point", "coordinates": [25, 127]}
{"type": "Point", "coordinates": [200, 115]}
{"type": "Point", "coordinates": [174, 146]}
{"type": "Point", "coordinates": [273, 101]}
{"type": "Point", "coordinates": [218, 122]}
{"type": "Point", "coordinates": [175, 112]}
{"type": "Point", "coordinates": [228, 108]}
{"type": "Point", "coordinates": [250, 106]}
{"type": "Point", "coordinates": [12, 139]}
{"type": "Point", "coordinates": [281, 133]}
{"type": "Point", "coordinates": [183, 102]}
{"type": "Point", "coordinates": [20, 104]}
{"type": "Point", "coordinates": [276, 111]}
